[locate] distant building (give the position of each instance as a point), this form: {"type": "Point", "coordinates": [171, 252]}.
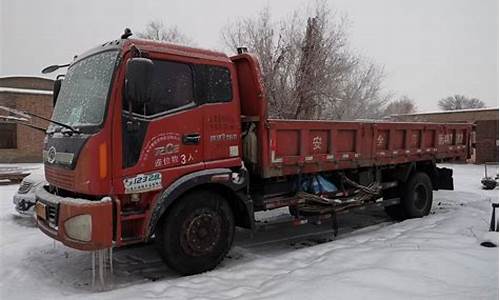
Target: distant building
{"type": "Point", "coordinates": [19, 143]}
{"type": "Point", "coordinates": [486, 131]}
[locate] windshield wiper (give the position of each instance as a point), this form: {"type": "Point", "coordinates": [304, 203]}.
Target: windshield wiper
{"type": "Point", "coordinates": [71, 128]}
{"type": "Point", "coordinates": [27, 114]}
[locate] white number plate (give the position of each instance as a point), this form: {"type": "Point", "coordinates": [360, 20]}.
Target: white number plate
{"type": "Point", "coordinates": [142, 183]}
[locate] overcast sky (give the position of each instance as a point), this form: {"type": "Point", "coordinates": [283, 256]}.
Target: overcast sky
{"type": "Point", "coordinates": [430, 49]}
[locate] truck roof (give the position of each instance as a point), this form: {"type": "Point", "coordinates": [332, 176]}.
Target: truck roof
{"type": "Point", "coordinates": [177, 49]}
{"type": "Point", "coordinates": [157, 46]}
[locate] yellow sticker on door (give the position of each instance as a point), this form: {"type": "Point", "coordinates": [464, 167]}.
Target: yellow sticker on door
{"type": "Point", "coordinates": [233, 151]}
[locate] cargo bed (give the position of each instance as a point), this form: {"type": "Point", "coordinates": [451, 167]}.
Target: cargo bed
{"type": "Point", "coordinates": [316, 146]}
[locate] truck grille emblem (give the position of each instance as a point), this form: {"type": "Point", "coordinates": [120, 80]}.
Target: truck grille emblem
{"type": "Point", "coordinates": [51, 155]}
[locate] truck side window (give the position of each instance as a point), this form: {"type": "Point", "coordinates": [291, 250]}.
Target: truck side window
{"type": "Point", "coordinates": [213, 84]}
{"type": "Point", "coordinates": [171, 87]}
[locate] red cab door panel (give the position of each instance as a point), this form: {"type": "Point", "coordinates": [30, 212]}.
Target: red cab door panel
{"type": "Point", "coordinates": [169, 133]}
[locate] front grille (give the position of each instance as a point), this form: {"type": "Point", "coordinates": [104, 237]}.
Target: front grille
{"type": "Point", "coordinates": [24, 187]}
{"type": "Point", "coordinates": [59, 177]}
{"type": "Point", "coordinates": [52, 213]}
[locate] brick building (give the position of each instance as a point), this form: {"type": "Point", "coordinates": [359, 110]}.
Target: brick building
{"type": "Point", "coordinates": [19, 143]}
{"type": "Point", "coordinates": [485, 119]}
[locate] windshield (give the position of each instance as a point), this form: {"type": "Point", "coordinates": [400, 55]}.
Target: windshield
{"type": "Point", "coordinates": [84, 90]}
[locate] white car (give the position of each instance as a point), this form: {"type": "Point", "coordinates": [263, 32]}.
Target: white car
{"type": "Point", "coordinates": [24, 199]}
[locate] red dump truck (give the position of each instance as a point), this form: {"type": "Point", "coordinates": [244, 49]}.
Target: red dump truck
{"type": "Point", "coordinates": [156, 141]}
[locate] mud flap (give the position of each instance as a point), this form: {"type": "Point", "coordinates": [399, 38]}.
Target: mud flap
{"type": "Point", "coordinates": [444, 179]}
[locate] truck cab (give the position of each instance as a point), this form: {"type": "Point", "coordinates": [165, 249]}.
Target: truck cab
{"type": "Point", "coordinates": [144, 114]}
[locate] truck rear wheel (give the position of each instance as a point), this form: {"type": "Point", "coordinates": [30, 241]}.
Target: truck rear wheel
{"type": "Point", "coordinates": [416, 198]}
{"type": "Point", "coordinates": [196, 233]}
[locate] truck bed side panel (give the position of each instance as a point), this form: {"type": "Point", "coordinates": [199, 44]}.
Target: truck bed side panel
{"type": "Point", "coordinates": [315, 146]}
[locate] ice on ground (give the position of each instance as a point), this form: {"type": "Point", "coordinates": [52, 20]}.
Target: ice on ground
{"type": "Point", "coordinates": [437, 257]}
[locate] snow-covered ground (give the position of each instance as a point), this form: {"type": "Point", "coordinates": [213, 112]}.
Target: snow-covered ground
{"type": "Point", "coordinates": [438, 256]}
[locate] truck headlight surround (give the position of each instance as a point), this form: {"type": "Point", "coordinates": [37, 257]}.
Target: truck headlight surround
{"type": "Point", "coordinates": [79, 227]}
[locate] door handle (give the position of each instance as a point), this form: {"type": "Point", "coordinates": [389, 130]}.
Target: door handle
{"type": "Point", "coordinates": [191, 139]}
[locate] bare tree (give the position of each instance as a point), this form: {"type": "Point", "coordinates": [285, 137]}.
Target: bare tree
{"type": "Point", "coordinates": [460, 102]}
{"type": "Point", "coordinates": [308, 70]}
{"type": "Point", "coordinates": [156, 30]}
{"type": "Point", "coordinates": [361, 95]}
{"type": "Point", "coordinates": [403, 105]}
{"type": "Point", "coordinates": [324, 61]}
{"type": "Point", "coordinates": [276, 45]}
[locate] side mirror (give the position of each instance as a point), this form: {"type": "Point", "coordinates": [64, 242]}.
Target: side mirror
{"type": "Point", "coordinates": [138, 81]}
{"type": "Point", "coordinates": [56, 90]}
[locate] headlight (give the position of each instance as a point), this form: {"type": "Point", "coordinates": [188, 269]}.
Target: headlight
{"type": "Point", "coordinates": [24, 187]}
{"type": "Point", "coordinates": [79, 228]}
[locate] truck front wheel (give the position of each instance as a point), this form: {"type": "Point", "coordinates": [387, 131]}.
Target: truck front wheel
{"type": "Point", "coordinates": [416, 198]}
{"type": "Point", "coordinates": [196, 233]}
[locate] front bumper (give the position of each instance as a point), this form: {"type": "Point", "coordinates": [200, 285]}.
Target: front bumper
{"type": "Point", "coordinates": [53, 211]}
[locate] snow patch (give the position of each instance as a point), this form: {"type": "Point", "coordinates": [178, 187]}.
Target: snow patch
{"type": "Point", "coordinates": [436, 257]}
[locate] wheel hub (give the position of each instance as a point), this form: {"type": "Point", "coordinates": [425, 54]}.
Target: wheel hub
{"type": "Point", "coordinates": [420, 197]}
{"type": "Point", "coordinates": [202, 232]}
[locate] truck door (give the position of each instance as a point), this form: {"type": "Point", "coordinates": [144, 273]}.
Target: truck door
{"type": "Point", "coordinates": [221, 114]}
{"type": "Point", "coordinates": [165, 136]}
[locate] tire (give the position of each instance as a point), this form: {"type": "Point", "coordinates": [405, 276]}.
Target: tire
{"type": "Point", "coordinates": [415, 197]}
{"type": "Point", "coordinates": [196, 233]}
{"type": "Point", "coordinates": [395, 212]}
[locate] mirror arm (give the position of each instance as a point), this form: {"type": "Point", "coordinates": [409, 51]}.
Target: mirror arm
{"type": "Point", "coordinates": [130, 115]}
{"type": "Point", "coordinates": [131, 119]}
{"type": "Point", "coordinates": [136, 92]}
